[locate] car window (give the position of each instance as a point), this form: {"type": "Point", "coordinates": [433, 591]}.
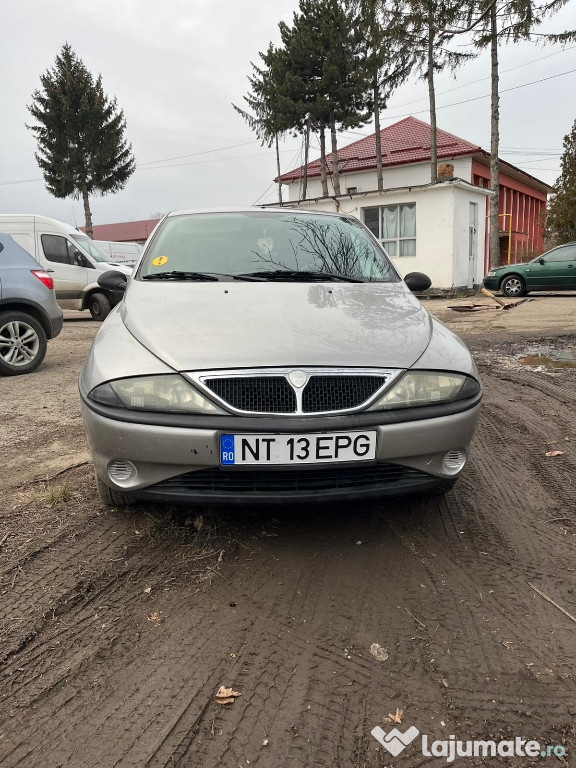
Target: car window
{"type": "Point", "coordinates": [565, 253]}
{"type": "Point", "coordinates": [266, 241]}
{"type": "Point", "coordinates": [58, 249]}
{"type": "Point", "coordinates": [91, 247]}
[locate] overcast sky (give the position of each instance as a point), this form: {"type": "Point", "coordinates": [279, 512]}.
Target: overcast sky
{"type": "Point", "coordinates": [175, 67]}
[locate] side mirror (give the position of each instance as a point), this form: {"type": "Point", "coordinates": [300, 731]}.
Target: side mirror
{"type": "Point", "coordinates": [541, 260]}
{"type": "Point", "coordinates": [112, 281]}
{"type": "Point", "coordinates": [79, 260]}
{"type": "Point", "coordinates": [417, 281]}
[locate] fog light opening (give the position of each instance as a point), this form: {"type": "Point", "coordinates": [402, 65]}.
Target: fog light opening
{"type": "Point", "coordinates": [121, 471]}
{"type": "Point", "coordinates": [454, 461]}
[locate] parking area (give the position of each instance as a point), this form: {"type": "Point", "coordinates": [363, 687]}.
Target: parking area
{"type": "Point", "coordinates": [119, 627]}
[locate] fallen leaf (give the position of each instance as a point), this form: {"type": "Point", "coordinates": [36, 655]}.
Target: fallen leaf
{"type": "Point", "coordinates": [147, 590]}
{"type": "Point", "coordinates": [396, 717]}
{"type": "Point", "coordinates": [226, 695]}
{"type": "Point", "coordinates": [378, 652]}
{"type": "Point", "coordinates": [549, 454]}
{"type": "Point", "coordinates": [154, 617]}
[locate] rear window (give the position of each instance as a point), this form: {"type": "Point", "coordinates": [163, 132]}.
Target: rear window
{"type": "Point", "coordinates": [259, 241]}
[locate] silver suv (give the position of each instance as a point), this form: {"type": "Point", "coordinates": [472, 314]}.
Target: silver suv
{"type": "Point", "coordinates": [29, 314]}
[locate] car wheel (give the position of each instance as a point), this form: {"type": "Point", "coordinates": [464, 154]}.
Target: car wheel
{"type": "Point", "coordinates": [113, 498]}
{"type": "Point", "coordinates": [513, 286]}
{"type": "Point", "coordinates": [22, 343]}
{"type": "Point", "coordinates": [99, 306]}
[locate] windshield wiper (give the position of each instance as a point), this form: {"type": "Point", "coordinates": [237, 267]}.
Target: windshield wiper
{"type": "Point", "coordinates": [300, 274]}
{"type": "Point", "coordinates": [178, 275]}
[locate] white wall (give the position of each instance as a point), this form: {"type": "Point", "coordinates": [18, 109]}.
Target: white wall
{"type": "Point", "coordinates": [442, 237]}
{"type": "Point", "coordinates": [393, 178]}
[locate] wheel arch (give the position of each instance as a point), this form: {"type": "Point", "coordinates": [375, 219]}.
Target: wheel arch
{"type": "Point", "coordinates": [21, 305]}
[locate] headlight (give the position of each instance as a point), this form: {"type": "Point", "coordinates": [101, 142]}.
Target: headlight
{"type": "Point", "coordinates": [154, 393]}
{"type": "Point", "coordinates": [491, 273]}
{"type": "Point", "coordinates": [427, 388]}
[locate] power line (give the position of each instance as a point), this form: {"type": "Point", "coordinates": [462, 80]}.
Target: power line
{"type": "Point", "coordinates": [468, 101]}
{"type": "Point", "coordinates": [174, 165]}
{"type": "Point", "coordinates": [195, 154]}
{"type": "Point", "coordinates": [474, 82]}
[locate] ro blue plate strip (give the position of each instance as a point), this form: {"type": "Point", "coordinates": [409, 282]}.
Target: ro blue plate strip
{"type": "Point", "coordinates": [227, 449]}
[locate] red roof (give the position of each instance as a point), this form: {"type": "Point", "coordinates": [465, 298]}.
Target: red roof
{"type": "Point", "coordinates": [407, 141]}
{"type": "Point", "coordinates": [125, 232]}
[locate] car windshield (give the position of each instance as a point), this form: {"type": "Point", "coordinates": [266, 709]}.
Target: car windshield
{"type": "Point", "coordinates": [269, 245]}
{"type": "Point", "coordinates": [89, 247]}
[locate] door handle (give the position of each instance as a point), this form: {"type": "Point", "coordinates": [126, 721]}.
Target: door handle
{"type": "Point", "coordinates": [570, 266]}
{"type": "Point", "coordinates": [49, 270]}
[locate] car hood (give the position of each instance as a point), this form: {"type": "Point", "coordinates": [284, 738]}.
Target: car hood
{"type": "Point", "coordinates": [196, 326]}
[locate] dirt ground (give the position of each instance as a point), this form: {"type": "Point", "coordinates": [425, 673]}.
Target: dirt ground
{"type": "Point", "coordinates": [117, 628]}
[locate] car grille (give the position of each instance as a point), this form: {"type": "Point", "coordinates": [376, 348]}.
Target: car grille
{"type": "Point", "coordinates": [287, 481]}
{"type": "Point", "coordinates": [259, 394]}
{"type": "Point", "coordinates": [338, 393]}
{"type": "Point", "coordinates": [274, 394]}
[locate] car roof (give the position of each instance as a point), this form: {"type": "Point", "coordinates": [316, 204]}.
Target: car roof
{"type": "Point", "coordinates": [259, 209]}
{"type": "Point", "coordinates": [12, 253]}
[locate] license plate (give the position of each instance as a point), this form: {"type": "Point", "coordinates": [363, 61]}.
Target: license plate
{"type": "Point", "coordinates": [319, 448]}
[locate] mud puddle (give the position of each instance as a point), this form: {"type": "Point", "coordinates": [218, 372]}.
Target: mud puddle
{"type": "Point", "coordinates": [545, 358]}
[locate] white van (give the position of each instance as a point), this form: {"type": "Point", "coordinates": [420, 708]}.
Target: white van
{"type": "Point", "coordinates": [71, 258]}
{"type": "Point", "coordinates": [119, 253]}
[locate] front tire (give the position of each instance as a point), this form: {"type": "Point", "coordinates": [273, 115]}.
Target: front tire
{"type": "Point", "coordinates": [23, 343]}
{"type": "Point", "coordinates": [112, 498]}
{"type": "Point", "coordinates": [513, 286]}
{"type": "Point", "coordinates": [99, 306]}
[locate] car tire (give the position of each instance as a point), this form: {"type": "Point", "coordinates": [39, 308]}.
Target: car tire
{"type": "Point", "coordinates": [23, 332]}
{"type": "Point", "coordinates": [99, 306]}
{"type": "Point", "coordinates": [513, 286]}
{"type": "Point", "coordinates": [112, 498]}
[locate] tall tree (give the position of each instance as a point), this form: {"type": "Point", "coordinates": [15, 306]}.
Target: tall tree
{"type": "Point", "coordinates": [386, 57]}
{"type": "Point", "coordinates": [80, 134]}
{"type": "Point", "coordinates": [324, 81]}
{"type": "Point", "coordinates": [427, 27]}
{"type": "Point", "coordinates": [495, 22]}
{"type": "Point", "coordinates": [561, 213]}
{"type": "Point", "coordinates": [265, 117]}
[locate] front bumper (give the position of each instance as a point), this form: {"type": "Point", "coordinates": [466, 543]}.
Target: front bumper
{"type": "Point", "coordinates": [178, 458]}
{"type": "Point", "coordinates": [491, 283]}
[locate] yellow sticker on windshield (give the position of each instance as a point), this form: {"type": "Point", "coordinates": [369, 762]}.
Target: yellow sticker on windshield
{"type": "Point", "coordinates": [159, 261]}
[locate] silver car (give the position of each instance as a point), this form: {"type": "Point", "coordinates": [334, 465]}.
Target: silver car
{"type": "Point", "coordinates": [269, 355]}
{"type": "Point", "coordinates": [29, 314]}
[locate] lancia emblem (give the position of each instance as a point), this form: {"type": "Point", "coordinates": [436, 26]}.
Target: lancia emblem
{"type": "Point", "coordinates": [298, 378]}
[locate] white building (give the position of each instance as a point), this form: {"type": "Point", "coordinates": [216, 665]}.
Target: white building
{"type": "Point", "coordinates": [439, 229]}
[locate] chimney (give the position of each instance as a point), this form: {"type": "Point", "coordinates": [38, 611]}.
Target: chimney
{"type": "Point", "coordinates": [445, 171]}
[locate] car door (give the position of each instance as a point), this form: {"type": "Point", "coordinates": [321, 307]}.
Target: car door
{"type": "Point", "coordinates": [555, 272]}
{"type": "Point", "coordinates": [66, 269]}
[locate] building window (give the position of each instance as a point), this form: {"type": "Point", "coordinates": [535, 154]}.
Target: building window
{"type": "Point", "coordinates": [394, 226]}
{"type": "Point", "coordinates": [351, 190]}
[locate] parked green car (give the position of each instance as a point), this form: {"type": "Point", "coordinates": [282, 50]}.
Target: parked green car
{"type": "Point", "coordinates": [555, 270]}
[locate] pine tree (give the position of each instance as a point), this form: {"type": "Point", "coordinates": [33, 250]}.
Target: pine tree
{"type": "Point", "coordinates": [322, 81]}
{"type": "Point", "coordinates": [386, 57]}
{"type": "Point", "coordinates": [80, 134]}
{"type": "Point", "coordinates": [496, 22]}
{"type": "Point", "coordinates": [265, 117]}
{"type": "Point", "coordinates": [426, 28]}
{"type": "Point", "coordinates": [561, 213]}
